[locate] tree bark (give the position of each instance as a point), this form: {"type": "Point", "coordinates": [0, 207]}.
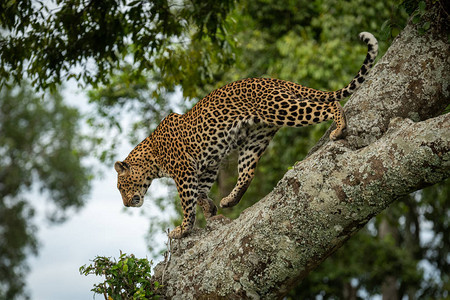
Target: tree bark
{"type": "Point", "coordinates": [397, 142]}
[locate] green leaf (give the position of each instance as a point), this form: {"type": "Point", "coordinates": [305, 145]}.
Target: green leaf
{"type": "Point", "coordinates": [395, 31]}
{"type": "Point", "coordinates": [422, 6]}
{"type": "Point", "coordinates": [416, 19]}
{"type": "Point", "coordinates": [385, 31]}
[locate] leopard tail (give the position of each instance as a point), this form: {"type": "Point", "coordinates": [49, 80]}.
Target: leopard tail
{"type": "Point", "coordinates": [372, 52]}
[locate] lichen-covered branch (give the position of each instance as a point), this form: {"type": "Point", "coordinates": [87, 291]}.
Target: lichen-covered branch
{"type": "Point", "coordinates": [397, 142]}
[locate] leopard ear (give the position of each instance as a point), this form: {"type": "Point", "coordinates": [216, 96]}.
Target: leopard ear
{"type": "Point", "coordinates": [122, 167]}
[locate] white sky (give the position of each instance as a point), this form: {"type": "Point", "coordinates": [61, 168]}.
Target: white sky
{"type": "Point", "coordinates": [102, 227]}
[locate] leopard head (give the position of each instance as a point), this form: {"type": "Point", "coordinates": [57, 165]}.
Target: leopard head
{"type": "Point", "coordinates": [133, 182]}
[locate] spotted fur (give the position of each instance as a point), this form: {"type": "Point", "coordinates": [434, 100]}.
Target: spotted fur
{"type": "Point", "coordinates": [242, 115]}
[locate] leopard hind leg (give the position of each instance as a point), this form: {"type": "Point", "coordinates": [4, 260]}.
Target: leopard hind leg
{"type": "Point", "coordinates": [257, 138]}
{"type": "Point", "coordinates": [285, 108]}
{"type": "Point", "coordinates": [339, 118]}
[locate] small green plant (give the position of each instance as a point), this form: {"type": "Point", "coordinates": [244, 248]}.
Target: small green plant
{"type": "Point", "coordinates": [128, 278]}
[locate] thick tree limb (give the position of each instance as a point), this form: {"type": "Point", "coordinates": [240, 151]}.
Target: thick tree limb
{"type": "Point", "coordinates": [395, 145]}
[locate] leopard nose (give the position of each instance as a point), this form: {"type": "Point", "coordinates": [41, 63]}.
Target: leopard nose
{"type": "Point", "coordinates": [136, 199]}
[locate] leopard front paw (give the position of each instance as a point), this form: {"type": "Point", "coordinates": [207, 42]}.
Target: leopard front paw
{"type": "Point", "coordinates": [211, 210]}
{"type": "Point", "coordinates": [228, 202]}
{"type": "Point", "coordinates": [178, 233]}
{"type": "Point", "coordinates": [208, 207]}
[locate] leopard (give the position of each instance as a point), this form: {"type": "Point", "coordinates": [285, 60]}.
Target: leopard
{"type": "Point", "coordinates": [243, 116]}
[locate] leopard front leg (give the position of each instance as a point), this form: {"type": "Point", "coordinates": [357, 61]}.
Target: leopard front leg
{"type": "Point", "coordinates": [205, 181]}
{"type": "Point", "coordinates": [188, 191]}
{"type": "Point", "coordinates": [207, 205]}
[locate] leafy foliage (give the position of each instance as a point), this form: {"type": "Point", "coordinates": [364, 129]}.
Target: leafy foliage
{"type": "Point", "coordinates": [127, 278]}
{"type": "Point", "coordinates": [52, 41]}
{"type": "Point", "coordinates": [17, 240]}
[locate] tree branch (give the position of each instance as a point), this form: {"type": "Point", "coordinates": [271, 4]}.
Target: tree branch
{"type": "Point", "coordinates": [392, 148]}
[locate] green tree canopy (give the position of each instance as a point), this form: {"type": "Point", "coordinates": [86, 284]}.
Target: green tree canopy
{"type": "Point", "coordinates": [52, 41]}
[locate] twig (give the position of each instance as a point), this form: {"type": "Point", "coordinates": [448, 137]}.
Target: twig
{"type": "Point", "coordinates": [167, 255]}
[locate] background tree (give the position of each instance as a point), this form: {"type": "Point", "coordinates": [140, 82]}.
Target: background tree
{"type": "Point", "coordinates": [40, 148]}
